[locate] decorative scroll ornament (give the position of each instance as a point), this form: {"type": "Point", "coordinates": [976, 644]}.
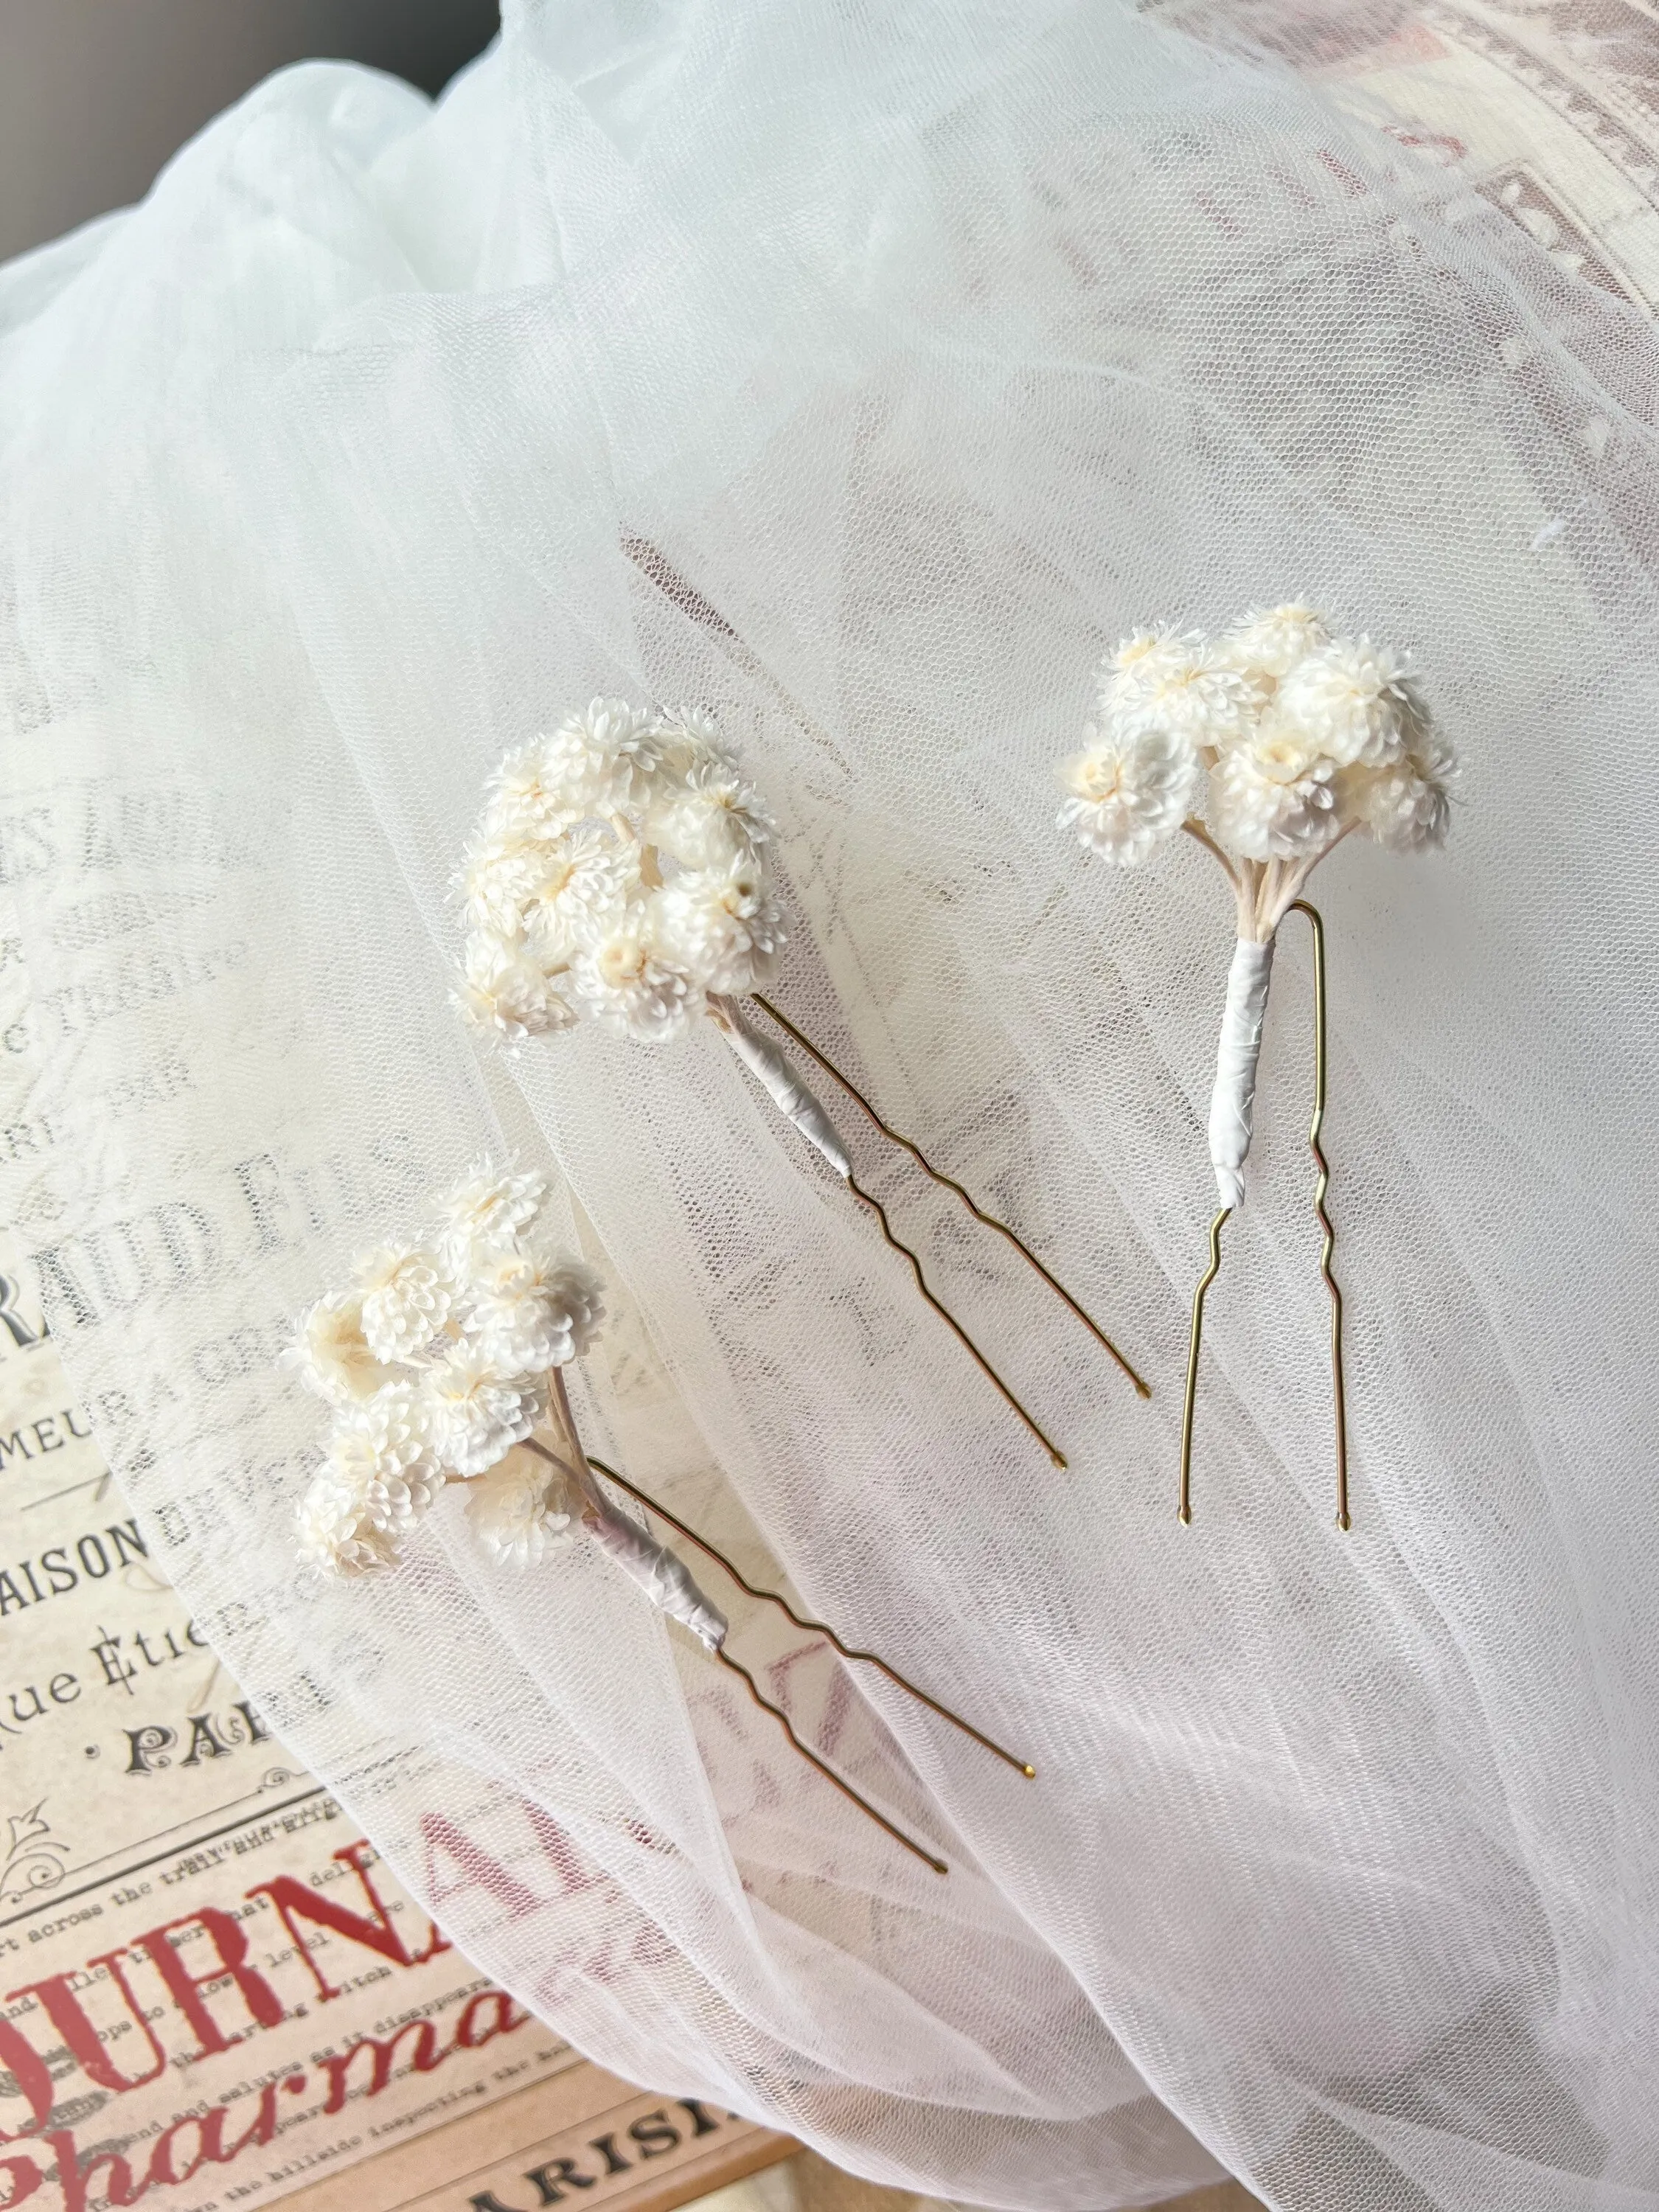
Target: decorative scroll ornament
{"type": "Point", "coordinates": [441, 1363]}
{"type": "Point", "coordinates": [621, 874]}
{"type": "Point", "coordinates": [1289, 739]}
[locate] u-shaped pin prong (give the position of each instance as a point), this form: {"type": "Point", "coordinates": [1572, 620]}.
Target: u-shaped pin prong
{"type": "Point", "coordinates": [1339, 1391]}
{"type": "Point", "coordinates": [1184, 1506]}
{"type": "Point", "coordinates": [949, 1182]}
{"type": "Point", "coordinates": [1315, 922]}
{"type": "Point", "coordinates": [816, 1628]}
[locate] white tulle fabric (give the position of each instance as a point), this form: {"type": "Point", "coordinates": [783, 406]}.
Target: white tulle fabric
{"type": "Point", "coordinates": [859, 374]}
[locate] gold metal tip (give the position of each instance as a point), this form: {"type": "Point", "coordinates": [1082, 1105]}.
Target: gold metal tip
{"type": "Point", "coordinates": [828, 1771]}
{"type": "Point", "coordinates": [814, 1627]}
{"type": "Point", "coordinates": [1184, 1506]}
{"type": "Point", "coordinates": [989, 1220]}
{"type": "Point", "coordinates": [1315, 922]}
{"type": "Point", "coordinates": [950, 1321]}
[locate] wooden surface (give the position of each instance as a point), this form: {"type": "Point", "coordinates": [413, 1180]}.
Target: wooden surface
{"type": "Point", "coordinates": [568, 2141]}
{"type": "Point", "coordinates": [1224, 2196]}
{"type": "Point", "coordinates": [817, 2186]}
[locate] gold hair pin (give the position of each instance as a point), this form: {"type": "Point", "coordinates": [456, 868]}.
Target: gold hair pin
{"type": "Point", "coordinates": [1293, 739]}
{"type": "Point", "coordinates": [442, 1363]}
{"type": "Point", "coordinates": [620, 874]}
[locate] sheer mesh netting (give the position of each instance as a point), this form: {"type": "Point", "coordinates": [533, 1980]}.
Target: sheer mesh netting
{"type": "Point", "coordinates": [857, 375]}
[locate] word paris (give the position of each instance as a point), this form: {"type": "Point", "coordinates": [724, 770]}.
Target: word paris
{"type": "Point", "coordinates": [442, 1366]}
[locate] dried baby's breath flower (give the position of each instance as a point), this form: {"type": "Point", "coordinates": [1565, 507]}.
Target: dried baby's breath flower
{"type": "Point", "coordinates": [506, 993]}
{"type": "Point", "coordinates": [619, 875]}
{"type": "Point", "coordinates": [406, 1298]}
{"type": "Point", "coordinates": [602, 761]}
{"type": "Point", "coordinates": [1273, 799]}
{"type": "Point", "coordinates": [1268, 644]}
{"type": "Point", "coordinates": [472, 1322]}
{"type": "Point", "coordinates": [498, 877]}
{"type": "Point", "coordinates": [586, 886]}
{"type": "Point", "coordinates": [381, 1450]}
{"type": "Point", "coordinates": [1288, 738]}
{"type": "Point", "coordinates": [524, 802]}
{"type": "Point", "coordinates": [1291, 739]}
{"type": "Point", "coordinates": [1407, 805]}
{"type": "Point", "coordinates": [486, 1211]}
{"type": "Point", "coordinates": [720, 925]}
{"type": "Point", "coordinates": [331, 1352]}
{"type": "Point", "coordinates": [1130, 791]}
{"type": "Point", "coordinates": [1350, 699]}
{"type": "Point", "coordinates": [710, 818]}
{"type": "Point", "coordinates": [474, 1412]}
{"type": "Point", "coordinates": [336, 1530]}
{"type": "Point", "coordinates": [520, 1509]}
{"type": "Point", "coordinates": [626, 983]}
{"type": "Point", "coordinates": [528, 1314]}
{"type": "Point", "coordinates": [1167, 680]}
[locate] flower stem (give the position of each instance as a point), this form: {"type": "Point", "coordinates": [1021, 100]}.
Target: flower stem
{"type": "Point", "coordinates": [1196, 828]}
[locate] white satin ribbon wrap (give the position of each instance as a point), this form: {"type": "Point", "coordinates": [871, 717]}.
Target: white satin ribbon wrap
{"type": "Point", "coordinates": [663, 1579]}
{"type": "Point", "coordinates": [765, 1061]}
{"type": "Point", "coordinates": [1232, 1103]}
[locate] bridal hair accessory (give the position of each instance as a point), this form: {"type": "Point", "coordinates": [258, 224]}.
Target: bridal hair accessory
{"type": "Point", "coordinates": [620, 875]}
{"type": "Point", "coordinates": [1297, 738]}
{"type": "Point", "coordinates": [439, 1363]}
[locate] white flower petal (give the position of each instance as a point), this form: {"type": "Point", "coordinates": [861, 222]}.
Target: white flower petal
{"type": "Point", "coordinates": [506, 993]}
{"type": "Point", "coordinates": [331, 1353]}
{"type": "Point", "coordinates": [624, 982]}
{"type": "Point", "coordinates": [529, 1315]}
{"type": "Point", "coordinates": [1262, 812]}
{"type": "Point", "coordinates": [335, 1532]}
{"type": "Point", "coordinates": [406, 1298]}
{"type": "Point", "coordinates": [485, 1210]}
{"type": "Point", "coordinates": [603, 761]}
{"type": "Point", "coordinates": [476, 1413]}
{"type": "Point", "coordinates": [1130, 791]}
{"type": "Point", "coordinates": [521, 1509]}
{"type": "Point", "coordinates": [1268, 644]}
{"type": "Point", "coordinates": [1351, 700]}
{"type": "Point", "coordinates": [721, 926]}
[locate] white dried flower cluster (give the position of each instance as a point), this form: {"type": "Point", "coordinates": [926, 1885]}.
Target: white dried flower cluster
{"type": "Point", "coordinates": [1289, 736]}
{"type": "Point", "coordinates": [618, 875]}
{"type": "Point", "coordinates": [434, 1364]}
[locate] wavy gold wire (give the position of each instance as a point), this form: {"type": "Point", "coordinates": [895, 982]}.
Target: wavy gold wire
{"type": "Point", "coordinates": [989, 1220]}
{"type": "Point", "coordinates": [554, 1458]}
{"type": "Point", "coordinates": [817, 1627]}
{"type": "Point", "coordinates": [950, 1321]}
{"type": "Point", "coordinates": [1315, 922]}
{"type": "Point", "coordinates": [827, 1773]}
{"type": "Point", "coordinates": [1184, 1508]}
